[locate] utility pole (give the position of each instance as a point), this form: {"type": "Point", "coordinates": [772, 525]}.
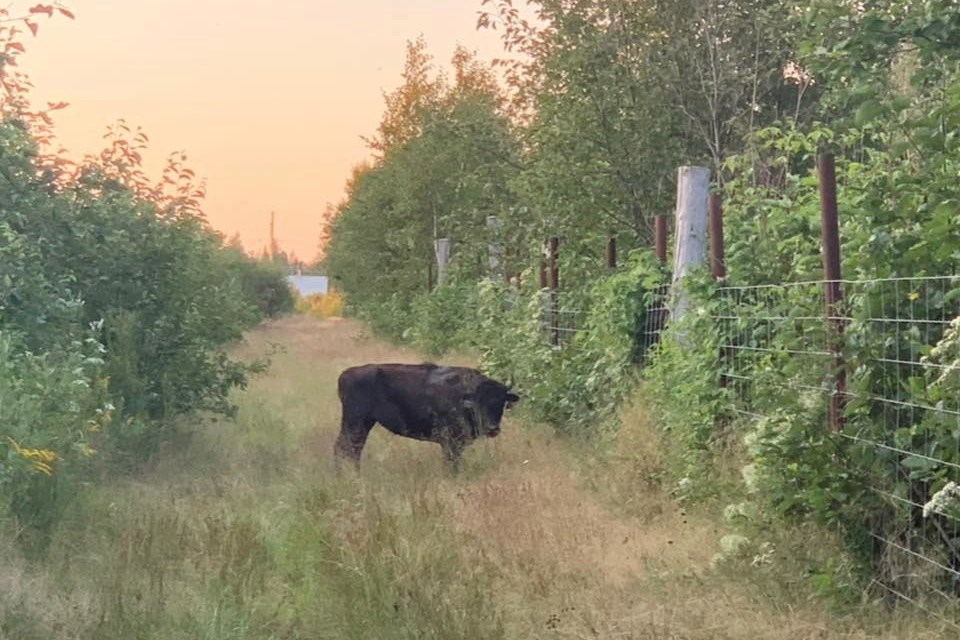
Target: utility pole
{"type": "Point", "coordinates": [273, 242]}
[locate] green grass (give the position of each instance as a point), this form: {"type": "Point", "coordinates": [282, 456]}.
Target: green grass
{"type": "Point", "coordinates": [244, 531]}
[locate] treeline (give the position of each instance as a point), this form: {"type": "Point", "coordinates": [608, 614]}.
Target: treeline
{"type": "Point", "coordinates": [602, 100]}
{"type": "Point", "coordinates": [117, 301]}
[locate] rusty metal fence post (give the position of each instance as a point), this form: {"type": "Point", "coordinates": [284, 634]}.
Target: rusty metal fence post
{"type": "Point", "coordinates": [830, 238]}
{"type": "Point", "coordinates": [543, 268]}
{"type": "Point", "coordinates": [658, 310]}
{"type": "Point", "coordinates": [718, 267]}
{"type": "Point", "coordinates": [554, 250]}
{"type": "Point", "coordinates": [660, 238]}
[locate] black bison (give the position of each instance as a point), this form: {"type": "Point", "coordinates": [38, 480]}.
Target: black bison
{"type": "Point", "coordinates": [452, 406]}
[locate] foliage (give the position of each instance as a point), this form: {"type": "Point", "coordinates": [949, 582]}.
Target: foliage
{"type": "Point", "coordinates": [575, 387]}
{"type": "Point", "coordinates": [117, 301]}
{"type": "Point", "coordinates": [684, 365]}
{"type": "Point", "coordinates": [442, 182]}
{"type": "Point", "coordinates": [442, 319]}
{"type": "Point", "coordinates": [52, 406]}
{"type": "Point", "coordinates": [261, 282]}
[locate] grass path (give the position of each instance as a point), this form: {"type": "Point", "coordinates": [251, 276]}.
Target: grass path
{"type": "Point", "coordinates": [246, 532]}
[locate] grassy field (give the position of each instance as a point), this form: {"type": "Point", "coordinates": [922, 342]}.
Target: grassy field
{"type": "Point", "coordinates": [246, 532]}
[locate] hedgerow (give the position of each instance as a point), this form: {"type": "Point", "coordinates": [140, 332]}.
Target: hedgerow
{"type": "Point", "coordinates": [117, 302]}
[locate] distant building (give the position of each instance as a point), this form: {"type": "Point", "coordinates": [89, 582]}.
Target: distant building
{"type": "Point", "coordinates": [307, 285]}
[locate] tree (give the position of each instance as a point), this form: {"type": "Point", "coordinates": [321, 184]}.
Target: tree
{"type": "Point", "coordinates": [419, 90]}
{"type": "Point", "coordinates": [444, 180]}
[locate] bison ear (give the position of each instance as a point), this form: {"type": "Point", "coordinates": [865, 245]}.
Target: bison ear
{"type": "Point", "coordinates": [512, 397]}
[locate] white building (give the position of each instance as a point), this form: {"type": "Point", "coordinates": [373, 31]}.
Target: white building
{"type": "Point", "coordinates": [308, 285]}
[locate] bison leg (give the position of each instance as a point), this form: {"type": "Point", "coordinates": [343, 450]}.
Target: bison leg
{"type": "Point", "coordinates": [353, 435]}
{"type": "Point", "coordinates": [452, 449]}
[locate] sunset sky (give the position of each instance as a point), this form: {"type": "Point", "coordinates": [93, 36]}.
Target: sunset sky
{"type": "Point", "coordinates": [268, 99]}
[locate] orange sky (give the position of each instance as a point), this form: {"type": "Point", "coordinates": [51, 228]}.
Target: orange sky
{"type": "Point", "coordinates": [268, 99]}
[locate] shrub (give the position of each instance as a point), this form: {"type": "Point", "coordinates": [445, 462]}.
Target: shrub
{"type": "Point", "coordinates": [320, 305]}
{"type": "Point", "coordinates": [114, 298]}
{"type": "Point", "coordinates": [52, 407]}
{"type": "Point", "coordinates": [577, 387]}
{"type": "Point", "coordinates": [264, 285]}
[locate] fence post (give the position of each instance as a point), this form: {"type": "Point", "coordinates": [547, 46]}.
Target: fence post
{"type": "Point", "coordinates": [612, 253]}
{"type": "Point", "coordinates": [494, 249]}
{"type": "Point", "coordinates": [830, 239]}
{"type": "Point", "coordinates": [690, 252]}
{"type": "Point", "coordinates": [718, 267]}
{"type": "Point", "coordinates": [554, 245]}
{"type": "Point", "coordinates": [660, 250]}
{"type": "Point", "coordinates": [660, 238]}
{"type": "Point", "coordinates": [543, 271]}
{"type": "Point", "coordinates": [430, 277]}
{"type": "Point", "coordinates": [441, 247]}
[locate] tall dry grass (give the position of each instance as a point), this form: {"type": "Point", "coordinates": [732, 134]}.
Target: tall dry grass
{"type": "Point", "coordinates": [246, 532]}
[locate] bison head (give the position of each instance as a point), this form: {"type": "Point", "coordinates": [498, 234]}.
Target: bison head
{"type": "Point", "coordinates": [471, 398]}
{"type": "Point", "coordinates": [485, 408]}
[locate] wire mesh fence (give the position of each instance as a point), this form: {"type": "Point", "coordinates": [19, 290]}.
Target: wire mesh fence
{"type": "Point", "coordinates": [563, 317]}
{"type": "Point", "coordinates": [896, 342]}
{"type": "Point", "coordinates": [874, 371]}
{"type": "Point", "coordinates": [654, 321]}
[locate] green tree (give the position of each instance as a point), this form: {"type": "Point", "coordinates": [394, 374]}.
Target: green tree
{"type": "Point", "coordinates": [441, 181]}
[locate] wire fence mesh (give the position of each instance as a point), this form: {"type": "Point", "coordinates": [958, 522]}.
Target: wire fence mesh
{"type": "Point", "coordinates": [563, 317]}
{"type": "Point", "coordinates": [881, 368]}
{"type": "Point", "coordinates": [654, 321]}
{"type": "Point", "coordinates": [896, 341]}
{"type": "Point", "coordinates": [559, 320]}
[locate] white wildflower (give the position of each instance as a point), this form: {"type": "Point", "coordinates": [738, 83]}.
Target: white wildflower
{"type": "Point", "coordinates": [810, 400]}
{"type": "Point", "coordinates": [945, 354]}
{"type": "Point", "coordinates": [751, 477]}
{"type": "Point", "coordinates": [943, 501]}
{"type": "Point", "coordinates": [765, 556]}
{"type": "Point", "coordinates": [740, 511]}
{"type": "Point", "coordinates": [731, 546]}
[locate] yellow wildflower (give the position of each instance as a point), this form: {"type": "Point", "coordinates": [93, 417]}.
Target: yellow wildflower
{"type": "Point", "coordinates": [40, 459]}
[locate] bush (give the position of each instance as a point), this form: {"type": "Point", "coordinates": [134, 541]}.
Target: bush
{"type": "Point", "coordinates": [116, 305]}
{"type": "Point", "coordinates": [440, 320]}
{"type": "Point", "coordinates": [320, 305]}
{"type": "Point", "coordinates": [264, 284]}
{"type": "Point", "coordinates": [387, 316]}
{"type": "Point", "coordinates": [53, 408]}
{"type": "Point", "coordinates": [577, 387]}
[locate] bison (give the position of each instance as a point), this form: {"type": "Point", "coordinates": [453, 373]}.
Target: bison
{"type": "Point", "coordinates": [452, 406]}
